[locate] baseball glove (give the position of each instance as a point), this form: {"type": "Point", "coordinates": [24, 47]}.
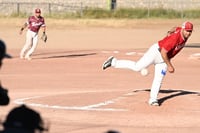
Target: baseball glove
{"type": "Point", "coordinates": [44, 37]}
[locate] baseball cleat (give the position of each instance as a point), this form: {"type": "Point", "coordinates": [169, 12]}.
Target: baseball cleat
{"type": "Point", "coordinates": [107, 63]}
{"type": "Point", "coordinates": [154, 103]}
{"type": "Point", "coordinates": [21, 57]}
{"type": "Point", "coordinates": [28, 58]}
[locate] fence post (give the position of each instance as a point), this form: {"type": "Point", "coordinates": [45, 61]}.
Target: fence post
{"type": "Point", "coordinates": [111, 4]}
{"type": "Point", "coordinates": [181, 9]}
{"type": "Point", "coordinates": [81, 9]}
{"type": "Point", "coordinates": [18, 8]}
{"type": "Point", "coordinates": [49, 8]}
{"type": "Point", "coordinates": [149, 6]}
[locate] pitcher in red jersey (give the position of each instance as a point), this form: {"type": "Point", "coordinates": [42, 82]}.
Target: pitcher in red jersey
{"type": "Point", "coordinates": [34, 23]}
{"type": "Point", "coordinates": [159, 54]}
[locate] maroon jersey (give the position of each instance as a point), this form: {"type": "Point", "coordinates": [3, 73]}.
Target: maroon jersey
{"type": "Point", "coordinates": [173, 43]}
{"type": "Point", "coordinates": [34, 23]}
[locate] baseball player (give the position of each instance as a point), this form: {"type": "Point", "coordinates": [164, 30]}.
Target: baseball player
{"type": "Point", "coordinates": [33, 23]}
{"type": "Point", "coordinates": [159, 54]}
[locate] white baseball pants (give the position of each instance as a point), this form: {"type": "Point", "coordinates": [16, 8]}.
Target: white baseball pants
{"type": "Point", "coordinates": [30, 44]}
{"type": "Point", "coordinates": [152, 56]}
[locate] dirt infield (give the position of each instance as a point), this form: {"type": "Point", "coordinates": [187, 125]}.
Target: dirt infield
{"type": "Point", "coordinates": [65, 83]}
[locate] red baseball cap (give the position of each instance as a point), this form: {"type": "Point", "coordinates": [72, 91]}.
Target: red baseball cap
{"type": "Point", "coordinates": [187, 26]}
{"type": "Point", "coordinates": [37, 10]}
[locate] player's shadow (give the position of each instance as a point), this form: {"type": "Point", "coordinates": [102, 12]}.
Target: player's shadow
{"type": "Point", "coordinates": [66, 56]}
{"type": "Point", "coordinates": [56, 52]}
{"type": "Point", "coordinates": [177, 93]}
{"type": "Point", "coordinates": [172, 94]}
{"type": "Point", "coordinates": [63, 54]}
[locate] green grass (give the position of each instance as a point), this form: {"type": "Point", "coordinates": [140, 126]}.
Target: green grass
{"type": "Point", "coordinates": [192, 14]}
{"type": "Point", "coordinates": [123, 13]}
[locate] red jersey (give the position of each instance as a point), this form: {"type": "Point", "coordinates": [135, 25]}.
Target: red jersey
{"type": "Point", "coordinates": [173, 43]}
{"type": "Point", "coordinates": [34, 23]}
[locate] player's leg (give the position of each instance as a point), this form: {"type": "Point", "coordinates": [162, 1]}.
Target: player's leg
{"type": "Point", "coordinates": [160, 72]}
{"type": "Point", "coordinates": [147, 59]}
{"type": "Point", "coordinates": [27, 44]}
{"type": "Point", "coordinates": [32, 49]}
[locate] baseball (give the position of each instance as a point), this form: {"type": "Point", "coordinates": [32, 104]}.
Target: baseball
{"type": "Point", "coordinates": [144, 72]}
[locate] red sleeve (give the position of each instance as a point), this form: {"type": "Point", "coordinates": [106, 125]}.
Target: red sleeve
{"type": "Point", "coordinates": [43, 22]}
{"type": "Point", "coordinates": [29, 20]}
{"type": "Point", "coordinates": [169, 42]}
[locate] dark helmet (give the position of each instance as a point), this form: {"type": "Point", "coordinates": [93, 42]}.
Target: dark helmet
{"type": "Point", "coordinates": [4, 98]}
{"type": "Point", "coordinates": [23, 117]}
{"type": "Point", "coordinates": [3, 51]}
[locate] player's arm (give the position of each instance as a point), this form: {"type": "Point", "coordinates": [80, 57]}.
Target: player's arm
{"type": "Point", "coordinates": [23, 27]}
{"type": "Point", "coordinates": [166, 59]}
{"type": "Point", "coordinates": [172, 30]}
{"type": "Point", "coordinates": [43, 26]}
{"type": "Point", "coordinates": [43, 29]}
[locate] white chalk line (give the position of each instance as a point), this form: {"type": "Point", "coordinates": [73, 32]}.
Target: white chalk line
{"type": "Point", "coordinates": [94, 107]}
{"type": "Point", "coordinates": [195, 56]}
{"type": "Point", "coordinates": [127, 53]}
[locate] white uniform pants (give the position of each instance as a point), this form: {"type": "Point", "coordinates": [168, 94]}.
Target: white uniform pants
{"type": "Point", "coordinates": [152, 56]}
{"type": "Point", "coordinates": [30, 45]}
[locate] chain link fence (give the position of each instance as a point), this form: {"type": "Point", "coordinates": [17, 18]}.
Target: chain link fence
{"type": "Point", "coordinates": [8, 7]}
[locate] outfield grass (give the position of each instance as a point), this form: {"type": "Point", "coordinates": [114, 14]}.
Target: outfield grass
{"type": "Point", "coordinates": [128, 13]}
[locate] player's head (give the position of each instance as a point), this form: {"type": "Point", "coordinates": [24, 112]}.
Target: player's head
{"type": "Point", "coordinates": [188, 26]}
{"type": "Point", "coordinates": [37, 12]}
{"type": "Point", "coordinates": [3, 52]}
{"type": "Point", "coordinates": [24, 118]}
{"type": "Point", "coordinates": [187, 29]}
